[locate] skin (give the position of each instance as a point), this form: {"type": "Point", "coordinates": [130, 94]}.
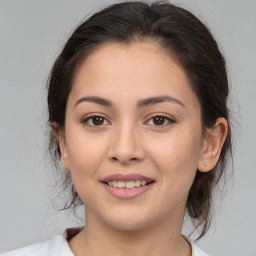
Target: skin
{"type": "Point", "coordinates": [127, 139]}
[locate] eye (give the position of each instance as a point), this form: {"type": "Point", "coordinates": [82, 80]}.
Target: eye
{"type": "Point", "coordinates": [95, 120]}
{"type": "Point", "coordinates": [160, 120]}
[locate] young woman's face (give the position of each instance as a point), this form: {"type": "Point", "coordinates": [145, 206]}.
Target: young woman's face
{"type": "Point", "coordinates": [132, 119]}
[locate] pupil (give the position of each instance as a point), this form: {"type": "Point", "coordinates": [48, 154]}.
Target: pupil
{"type": "Point", "coordinates": [97, 120]}
{"type": "Point", "coordinates": [158, 120]}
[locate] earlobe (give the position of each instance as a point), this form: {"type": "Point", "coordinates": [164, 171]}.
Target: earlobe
{"type": "Point", "coordinates": [59, 136]}
{"type": "Point", "coordinates": [212, 145]}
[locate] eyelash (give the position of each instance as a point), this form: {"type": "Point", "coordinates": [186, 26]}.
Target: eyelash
{"type": "Point", "coordinates": [84, 121]}
{"type": "Point", "coordinates": [168, 119]}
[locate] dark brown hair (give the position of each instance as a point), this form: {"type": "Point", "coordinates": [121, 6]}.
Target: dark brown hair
{"type": "Point", "coordinates": [187, 40]}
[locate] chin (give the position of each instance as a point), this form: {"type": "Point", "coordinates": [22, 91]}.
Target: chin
{"type": "Point", "coordinates": [128, 221]}
{"type": "Point", "coordinates": [129, 226]}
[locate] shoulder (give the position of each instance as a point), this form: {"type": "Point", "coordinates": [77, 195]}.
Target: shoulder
{"type": "Point", "coordinates": [57, 245]}
{"type": "Point", "coordinates": [196, 251]}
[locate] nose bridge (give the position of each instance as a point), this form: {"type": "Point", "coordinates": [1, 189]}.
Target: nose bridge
{"type": "Point", "coordinates": [126, 146]}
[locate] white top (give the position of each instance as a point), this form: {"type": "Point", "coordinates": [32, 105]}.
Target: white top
{"type": "Point", "coordinates": [58, 246]}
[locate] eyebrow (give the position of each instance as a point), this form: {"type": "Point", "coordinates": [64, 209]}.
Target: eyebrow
{"type": "Point", "coordinates": [140, 104]}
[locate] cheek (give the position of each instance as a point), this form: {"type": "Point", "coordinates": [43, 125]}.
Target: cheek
{"type": "Point", "coordinates": [85, 153]}
{"type": "Point", "coordinates": [85, 157]}
{"type": "Point", "coordinates": [176, 157]}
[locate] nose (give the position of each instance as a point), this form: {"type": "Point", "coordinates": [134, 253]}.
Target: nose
{"type": "Point", "coordinates": [126, 147]}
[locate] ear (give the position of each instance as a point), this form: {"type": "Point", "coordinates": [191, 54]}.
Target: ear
{"type": "Point", "coordinates": [60, 137]}
{"type": "Point", "coordinates": [212, 145]}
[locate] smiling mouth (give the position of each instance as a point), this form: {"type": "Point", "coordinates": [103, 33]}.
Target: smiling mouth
{"type": "Point", "coordinates": [128, 184]}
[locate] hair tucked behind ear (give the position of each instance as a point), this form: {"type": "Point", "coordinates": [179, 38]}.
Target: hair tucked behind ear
{"type": "Point", "coordinates": [185, 38]}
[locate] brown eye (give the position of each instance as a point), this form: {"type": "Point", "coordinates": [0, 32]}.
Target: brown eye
{"type": "Point", "coordinates": [95, 121]}
{"type": "Point", "coordinates": [159, 120]}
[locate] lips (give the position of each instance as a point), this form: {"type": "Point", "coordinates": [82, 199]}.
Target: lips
{"type": "Point", "coordinates": [127, 177]}
{"type": "Point", "coordinates": [127, 186]}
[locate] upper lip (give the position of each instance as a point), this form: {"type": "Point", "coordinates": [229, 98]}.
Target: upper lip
{"type": "Point", "coordinates": [126, 177]}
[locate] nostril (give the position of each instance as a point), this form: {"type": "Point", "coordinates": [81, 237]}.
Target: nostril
{"type": "Point", "coordinates": [124, 160]}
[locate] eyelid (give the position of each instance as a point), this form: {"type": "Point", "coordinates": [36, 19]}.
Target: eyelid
{"type": "Point", "coordinates": [170, 119]}
{"type": "Point", "coordinates": [90, 116]}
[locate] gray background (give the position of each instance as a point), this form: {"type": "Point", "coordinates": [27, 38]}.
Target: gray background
{"type": "Point", "coordinates": [31, 35]}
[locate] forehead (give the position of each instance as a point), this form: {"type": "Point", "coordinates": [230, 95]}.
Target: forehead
{"type": "Point", "coordinates": [140, 68]}
{"type": "Point", "coordinates": [146, 57]}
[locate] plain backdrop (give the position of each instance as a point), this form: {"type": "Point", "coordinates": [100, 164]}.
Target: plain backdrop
{"type": "Point", "coordinates": [32, 33]}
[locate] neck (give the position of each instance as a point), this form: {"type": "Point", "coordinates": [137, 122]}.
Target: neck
{"type": "Point", "coordinates": [98, 238]}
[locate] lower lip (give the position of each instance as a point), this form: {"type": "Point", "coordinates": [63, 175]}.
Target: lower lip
{"type": "Point", "coordinates": [126, 193]}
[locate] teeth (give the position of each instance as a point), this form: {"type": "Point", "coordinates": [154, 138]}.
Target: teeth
{"type": "Point", "coordinates": [121, 184]}
{"type": "Point", "coordinates": [115, 184]}
{"type": "Point", "coordinates": [143, 183]}
{"type": "Point", "coordinates": [127, 184]}
{"type": "Point", "coordinates": [137, 183]}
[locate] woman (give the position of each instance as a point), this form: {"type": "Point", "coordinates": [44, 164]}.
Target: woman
{"type": "Point", "coordinates": [138, 111]}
